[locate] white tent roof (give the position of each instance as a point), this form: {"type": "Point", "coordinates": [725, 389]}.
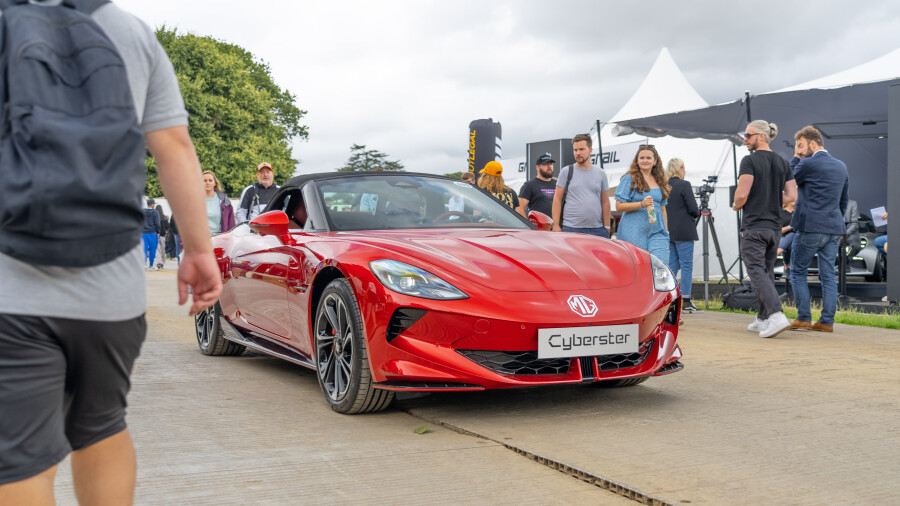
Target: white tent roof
{"type": "Point", "coordinates": [879, 69]}
{"type": "Point", "coordinates": [665, 90]}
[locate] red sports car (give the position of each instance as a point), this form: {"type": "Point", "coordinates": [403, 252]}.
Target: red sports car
{"type": "Point", "coordinates": [385, 282]}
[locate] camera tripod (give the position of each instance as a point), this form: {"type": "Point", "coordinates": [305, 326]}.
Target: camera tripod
{"type": "Point", "coordinates": [709, 225]}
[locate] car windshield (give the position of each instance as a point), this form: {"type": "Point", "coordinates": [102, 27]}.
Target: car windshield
{"type": "Point", "coordinates": [394, 201]}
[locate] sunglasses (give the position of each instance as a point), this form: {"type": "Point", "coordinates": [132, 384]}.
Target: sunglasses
{"type": "Point", "coordinates": [748, 135]}
{"type": "Point", "coordinates": [646, 146]}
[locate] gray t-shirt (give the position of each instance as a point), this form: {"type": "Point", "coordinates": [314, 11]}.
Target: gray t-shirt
{"type": "Point", "coordinates": [116, 290]}
{"type": "Point", "coordinates": [588, 189]}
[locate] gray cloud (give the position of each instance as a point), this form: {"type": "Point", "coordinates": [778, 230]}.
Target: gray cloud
{"type": "Point", "coordinates": [407, 77]}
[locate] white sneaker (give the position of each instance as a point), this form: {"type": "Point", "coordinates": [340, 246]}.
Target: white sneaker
{"type": "Point", "coordinates": [756, 325]}
{"type": "Point", "coordinates": [776, 324]}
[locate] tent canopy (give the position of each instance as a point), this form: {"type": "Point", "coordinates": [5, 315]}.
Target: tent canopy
{"type": "Point", "coordinates": [852, 118]}
{"type": "Point", "coordinates": [663, 90]}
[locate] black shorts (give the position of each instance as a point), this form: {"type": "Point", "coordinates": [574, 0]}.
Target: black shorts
{"type": "Point", "coordinates": [63, 385]}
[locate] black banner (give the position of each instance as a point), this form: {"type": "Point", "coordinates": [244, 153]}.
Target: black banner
{"type": "Point", "coordinates": [484, 144]}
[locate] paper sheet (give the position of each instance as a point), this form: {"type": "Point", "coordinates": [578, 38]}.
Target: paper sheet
{"type": "Point", "coordinates": [877, 213]}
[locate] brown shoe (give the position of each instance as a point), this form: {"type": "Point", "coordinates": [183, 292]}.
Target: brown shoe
{"type": "Point", "coordinates": [798, 325]}
{"type": "Point", "coordinates": [821, 327]}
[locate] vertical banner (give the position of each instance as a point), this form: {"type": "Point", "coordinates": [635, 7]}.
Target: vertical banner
{"type": "Point", "coordinates": [484, 144]}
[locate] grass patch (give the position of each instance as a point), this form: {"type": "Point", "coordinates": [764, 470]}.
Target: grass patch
{"type": "Point", "coordinates": [849, 316]}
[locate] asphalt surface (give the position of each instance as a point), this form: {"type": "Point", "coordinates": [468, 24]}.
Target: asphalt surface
{"type": "Point", "coordinates": [805, 418]}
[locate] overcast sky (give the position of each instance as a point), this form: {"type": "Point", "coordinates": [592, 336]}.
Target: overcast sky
{"type": "Point", "coordinates": [407, 77]}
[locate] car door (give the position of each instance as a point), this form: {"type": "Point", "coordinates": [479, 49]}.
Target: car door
{"type": "Point", "coordinates": [259, 271]}
{"type": "Point", "coordinates": [301, 265]}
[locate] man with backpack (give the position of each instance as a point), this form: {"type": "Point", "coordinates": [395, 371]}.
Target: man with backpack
{"type": "Point", "coordinates": [257, 196]}
{"type": "Point", "coordinates": [579, 189]}
{"type": "Point", "coordinates": [73, 298]}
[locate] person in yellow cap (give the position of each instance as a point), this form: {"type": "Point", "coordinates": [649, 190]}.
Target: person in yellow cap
{"type": "Point", "coordinates": [256, 197]}
{"type": "Point", "coordinates": [492, 180]}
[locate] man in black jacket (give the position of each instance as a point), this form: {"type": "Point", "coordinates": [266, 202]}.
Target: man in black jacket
{"type": "Point", "coordinates": [150, 234]}
{"type": "Point", "coordinates": [257, 196]}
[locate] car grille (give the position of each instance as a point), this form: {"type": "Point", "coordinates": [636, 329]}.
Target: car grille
{"type": "Point", "coordinates": [526, 363]}
{"type": "Point", "coordinates": [613, 362]}
{"type": "Point", "coordinates": [523, 363]}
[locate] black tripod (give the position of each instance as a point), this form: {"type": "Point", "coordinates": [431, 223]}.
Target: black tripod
{"type": "Point", "coordinates": [709, 225]}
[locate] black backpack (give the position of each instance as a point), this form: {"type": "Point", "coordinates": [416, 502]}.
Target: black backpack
{"type": "Point", "coordinates": [71, 150]}
{"type": "Point", "coordinates": [742, 298]}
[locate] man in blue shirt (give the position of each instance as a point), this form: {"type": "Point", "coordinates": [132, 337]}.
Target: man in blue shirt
{"type": "Point", "coordinates": [823, 187]}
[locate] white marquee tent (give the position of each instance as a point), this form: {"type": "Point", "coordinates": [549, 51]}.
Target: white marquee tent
{"type": "Point", "coordinates": [665, 90]}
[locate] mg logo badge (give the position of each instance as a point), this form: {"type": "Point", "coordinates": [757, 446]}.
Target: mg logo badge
{"type": "Point", "coordinates": [582, 306]}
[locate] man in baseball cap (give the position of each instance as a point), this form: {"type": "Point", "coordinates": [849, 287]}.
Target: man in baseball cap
{"type": "Point", "coordinates": [537, 194]}
{"type": "Point", "coordinates": [257, 196]}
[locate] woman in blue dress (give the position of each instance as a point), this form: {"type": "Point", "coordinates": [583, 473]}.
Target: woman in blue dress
{"type": "Point", "coordinates": [641, 197]}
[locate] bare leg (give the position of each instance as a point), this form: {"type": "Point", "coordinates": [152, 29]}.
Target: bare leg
{"type": "Point", "coordinates": [105, 472]}
{"type": "Point", "coordinates": [37, 490]}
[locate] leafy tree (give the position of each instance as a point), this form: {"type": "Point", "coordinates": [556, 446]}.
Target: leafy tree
{"type": "Point", "coordinates": [362, 159]}
{"type": "Point", "coordinates": [454, 175]}
{"type": "Point", "coordinates": [238, 116]}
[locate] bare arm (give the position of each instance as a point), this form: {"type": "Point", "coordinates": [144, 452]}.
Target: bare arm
{"type": "Point", "coordinates": [604, 206]}
{"type": "Point", "coordinates": [665, 218]}
{"type": "Point", "coordinates": [557, 208]}
{"type": "Point", "coordinates": [790, 192]}
{"type": "Point", "coordinates": [179, 175]}
{"type": "Point", "coordinates": [523, 203]}
{"type": "Point", "coordinates": [745, 182]}
{"type": "Point", "coordinates": [623, 207]}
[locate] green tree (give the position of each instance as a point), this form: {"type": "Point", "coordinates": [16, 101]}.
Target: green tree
{"type": "Point", "coordinates": [238, 116]}
{"type": "Point", "coordinates": [367, 159]}
{"type": "Point", "coordinates": [454, 175]}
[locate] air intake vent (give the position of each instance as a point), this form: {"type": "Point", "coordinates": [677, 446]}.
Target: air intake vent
{"type": "Point", "coordinates": [403, 319]}
{"type": "Point", "coordinates": [612, 362]}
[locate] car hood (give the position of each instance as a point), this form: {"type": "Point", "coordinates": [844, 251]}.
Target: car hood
{"type": "Point", "coordinates": [516, 261]}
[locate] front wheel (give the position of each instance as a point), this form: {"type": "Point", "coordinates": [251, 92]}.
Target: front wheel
{"type": "Point", "coordinates": [342, 362]}
{"type": "Point", "coordinates": [210, 337]}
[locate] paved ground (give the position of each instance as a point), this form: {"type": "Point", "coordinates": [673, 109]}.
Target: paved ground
{"type": "Point", "coordinates": [805, 418]}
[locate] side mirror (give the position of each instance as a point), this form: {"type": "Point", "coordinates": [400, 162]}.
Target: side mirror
{"type": "Point", "coordinates": [541, 220]}
{"type": "Point", "coordinates": [271, 223]}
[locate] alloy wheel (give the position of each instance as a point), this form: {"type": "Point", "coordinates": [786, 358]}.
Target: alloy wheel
{"type": "Point", "coordinates": [334, 347]}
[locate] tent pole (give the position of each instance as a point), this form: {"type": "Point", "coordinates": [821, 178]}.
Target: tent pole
{"type": "Point", "coordinates": [599, 145]}
{"type": "Point", "coordinates": [737, 216]}
{"type": "Point", "coordinates": [747, 101]}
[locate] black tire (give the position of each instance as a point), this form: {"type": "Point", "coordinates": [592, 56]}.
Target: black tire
{"type": "Point", "coordinates": [878, 272]}
{"type": "Point", "coordinates": [210, 337]}
{"type": "Point", "coordinates": [342, 362]}
{"type": "Point", "coordinates": [627, 382]}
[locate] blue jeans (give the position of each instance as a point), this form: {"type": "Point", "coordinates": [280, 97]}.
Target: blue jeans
{"type": "Point", "coordinates": [806, 246]}
{"type": "Point", "coordinates": [880, 241]}
{"type": "Point", "coordinates": [151, 242]}
{"type": "Point", "coordinates": [601, 231]}
{"type": "Point", "coordinates": [681, 256]}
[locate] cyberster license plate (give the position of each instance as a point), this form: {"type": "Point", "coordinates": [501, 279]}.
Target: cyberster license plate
{"type": "Point", "coordinates": [587, 341]}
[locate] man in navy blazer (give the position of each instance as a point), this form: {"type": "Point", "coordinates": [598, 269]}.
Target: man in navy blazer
{"type": "Point", "coordinates": [823, 191]}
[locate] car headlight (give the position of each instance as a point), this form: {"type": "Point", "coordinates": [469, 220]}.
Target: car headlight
{"type": "Point", "coordinates": [663, 279]}
{"type": "Point", "coordinates": [408, 280]}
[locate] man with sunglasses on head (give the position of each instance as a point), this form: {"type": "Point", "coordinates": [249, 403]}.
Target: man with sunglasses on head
{"type": "Point", "coordinates": [579, 189]}
{"type": "Point", "coordinates": [765, 183]}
